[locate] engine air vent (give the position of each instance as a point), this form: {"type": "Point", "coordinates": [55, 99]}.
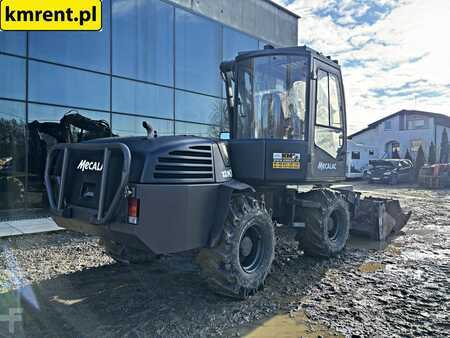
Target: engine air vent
{"type": "Point", "coordinates": [193, 164]}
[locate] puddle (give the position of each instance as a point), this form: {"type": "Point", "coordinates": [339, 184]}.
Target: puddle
{"type": "Point", "coordinates": [358, 242]}
{"type": "Point", "coordinates": [371, 267]}
{"type": "Point", "coordinates": [411, 273]}
{"type": "Point", "coordinates": [421, 255]}
{"type": "Point", "coordinates": [69, 302]}
{"type": "Point", "coordinates": [295, 324]}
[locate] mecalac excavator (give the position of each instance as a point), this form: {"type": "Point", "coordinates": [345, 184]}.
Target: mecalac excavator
{"type": "Point", "coordinates": [147, 196]}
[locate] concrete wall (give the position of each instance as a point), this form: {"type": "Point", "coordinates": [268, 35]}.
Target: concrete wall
{"type": "Point", "coordinates": [260, 18]}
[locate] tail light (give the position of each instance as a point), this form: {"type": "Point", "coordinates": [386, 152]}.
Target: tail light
{"type": "Point", "coordinates": [133, 210]}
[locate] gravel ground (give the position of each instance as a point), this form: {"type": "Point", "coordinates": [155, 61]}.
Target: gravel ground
{"type": "Point", "coordinates": [66, 285]}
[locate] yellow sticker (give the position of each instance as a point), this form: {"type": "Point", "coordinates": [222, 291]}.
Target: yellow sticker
{"type": "Point", "coordinates": [293, 165]}
{"type": "Point", "coordinates": [51, 15]}
{"type": "Point", "coordinates": [286, 161]}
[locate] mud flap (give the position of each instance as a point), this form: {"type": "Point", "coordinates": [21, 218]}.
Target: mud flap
{"type": "Point", "coordinates": [378, 218]}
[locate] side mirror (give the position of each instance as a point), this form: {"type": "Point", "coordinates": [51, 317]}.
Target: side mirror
{"type": "Point", "coordinates": [224, 135]}
{"type": "Point", "coordinates": [239, 107]}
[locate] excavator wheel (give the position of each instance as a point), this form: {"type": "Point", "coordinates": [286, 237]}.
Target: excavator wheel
{"type": "Point", "coordinates": [127, 255]}
{"type": "Point", "coordinates": [327, 228]}
{"type": "Point", "coordinates": [238, 266]}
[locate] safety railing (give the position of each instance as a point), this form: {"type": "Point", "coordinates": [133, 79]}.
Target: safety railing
{"type": "Point", "coordinates": [58, 207]}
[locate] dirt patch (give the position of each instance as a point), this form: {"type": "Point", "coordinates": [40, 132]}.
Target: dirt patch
{"type": "Point", "coordinates": [294, 324]}
{"type": "Point", "coordinates": [371, 267]}
{"type": "Point", "coordinates": [67, 286]}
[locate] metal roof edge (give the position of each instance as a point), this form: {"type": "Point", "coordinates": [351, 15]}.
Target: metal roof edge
{"type": "Point", "coordinates": [284, 9]}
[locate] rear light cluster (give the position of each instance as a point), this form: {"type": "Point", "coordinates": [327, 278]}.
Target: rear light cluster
{"type": "Point", "coordinates": [133, 210]}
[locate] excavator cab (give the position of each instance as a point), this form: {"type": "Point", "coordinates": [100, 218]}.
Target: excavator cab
{"type": "Point", "coordinates": [287, 116]}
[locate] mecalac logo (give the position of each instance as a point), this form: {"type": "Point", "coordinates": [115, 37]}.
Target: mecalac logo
{"type": "Point", "coordinates": [325, 166]}
{"type": "Point", "coordinates": [91, 166]}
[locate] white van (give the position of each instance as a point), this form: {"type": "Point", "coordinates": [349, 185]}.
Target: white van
{"type": "Point", "coordinates": [358, 157]}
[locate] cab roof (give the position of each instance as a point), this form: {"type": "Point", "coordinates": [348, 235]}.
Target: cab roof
{"type": "Point", "coordinates": [297, 50]}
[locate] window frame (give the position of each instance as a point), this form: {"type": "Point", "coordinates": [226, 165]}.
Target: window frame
{"type": "Point", "coordinates": [387, 125]}
{"type": "Point", "coordinates": [341, 128]}
{"type": "Point", "coordinates": [416, 144]}
{"type": "Point", "coordinates": [356, 155]}
{"type": "Point", "coordinates": [411, 123]}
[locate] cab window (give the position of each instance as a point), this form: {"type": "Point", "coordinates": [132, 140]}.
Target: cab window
{"type": "Point", "coordinates": [335, 110]}
{"type": "Point", "coordinates": [328, 131]}
{"type": "Point", "coordinates": [322, 112]}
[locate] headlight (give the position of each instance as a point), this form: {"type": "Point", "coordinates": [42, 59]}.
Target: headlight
{"type": "Point", "coordinates": [388, 173]}
{"type": "Point", "coordinates": [368, 172]}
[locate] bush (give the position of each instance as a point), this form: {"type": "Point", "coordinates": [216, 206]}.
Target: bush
{"type": "Point", "coordinates": [443, 158]}
{"type": "Point", "coordinates": [420, 161]}
{"type": "Point", "coordinates": [432, 154]}
{"type": "Point", "coordinates": [408, 156]}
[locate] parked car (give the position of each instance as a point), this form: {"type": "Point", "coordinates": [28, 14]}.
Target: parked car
{"type": "Point", "coordinates": [391, 171]}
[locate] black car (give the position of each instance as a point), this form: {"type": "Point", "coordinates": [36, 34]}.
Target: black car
{"type": "Point", "coordinates": [392, 171]}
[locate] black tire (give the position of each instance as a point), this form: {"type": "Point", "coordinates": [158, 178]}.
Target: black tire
{"type": "Point", "coordinates": [238, 266]}
{"type": "Point", "coordinates": [127, 255]}
{"type": "Point", "coordinates": [327, 229]}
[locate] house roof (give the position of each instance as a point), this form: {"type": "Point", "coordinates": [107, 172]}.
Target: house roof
{"type": "Point", "coordinates": [441, 119]}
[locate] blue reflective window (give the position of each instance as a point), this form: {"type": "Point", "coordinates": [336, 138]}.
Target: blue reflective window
{"type": "Point", "coordinates": [44, 113]}
{"type": "Point", "coordinates": [124, 125]}
{"type": "Point", "coordinates": [141, 98]}
{"type": "Point", "coordinates": [69, 87]}
{"type": "Point", "coordinates": [143, 40]}
{"type": "Point", "coordinates": [13, 42]}
{"type": "Point", "coordinates": [12, 155]}
{"type": "Point", "coordinates": [39, 142]}
{"type": "Point", "coordinates": [198, 108]}
{"type": "Point", "coordinates": [89, 50]}
{"type": "Point", "coordinates": [197, 54]}
{"type": "Point", "coordinates": [203, 130]}
{"type": "Point", "coordinates": [235, 42]}
{"type": "Point", "coordinates": [12, 78]}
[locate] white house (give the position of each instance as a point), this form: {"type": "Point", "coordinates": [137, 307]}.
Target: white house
{"type": "Point", "coordinates": [402, 131]}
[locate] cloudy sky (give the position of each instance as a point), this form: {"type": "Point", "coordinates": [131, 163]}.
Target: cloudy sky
{"type": "Point", "coordinates": [395, 54]}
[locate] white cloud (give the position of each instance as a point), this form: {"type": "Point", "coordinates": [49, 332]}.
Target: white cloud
{"type": "Point", "coordinates": [405, 52]}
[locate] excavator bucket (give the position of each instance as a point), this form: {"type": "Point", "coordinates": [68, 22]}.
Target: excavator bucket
{"type": "Point", "coordinates": [379, 218]}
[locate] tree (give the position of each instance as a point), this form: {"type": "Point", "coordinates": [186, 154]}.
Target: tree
{"type": "Point", "coordinates": [432, 154]}
{"type": "Point", "coordinates": [408, 155]}
{"type": "Point", "coordinates": [420, 161]}
{"type": "Point", "coordinates": [443, 156]}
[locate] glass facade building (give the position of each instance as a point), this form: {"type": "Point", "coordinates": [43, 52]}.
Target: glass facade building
{"type": "Point", "coordinates": [153, 61]}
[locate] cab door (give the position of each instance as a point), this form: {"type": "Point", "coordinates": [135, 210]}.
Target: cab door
{"type": "Point", "coordinates": [327, 124]}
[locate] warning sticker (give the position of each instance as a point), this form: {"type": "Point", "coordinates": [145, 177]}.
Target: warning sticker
{"type": "Point", "coordinates": [286, 161]}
